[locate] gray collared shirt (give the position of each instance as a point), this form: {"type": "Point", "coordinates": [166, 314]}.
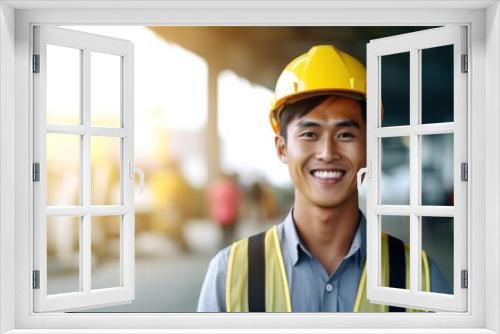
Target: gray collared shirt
{"type": "Point", "coordinates": [312, 289]}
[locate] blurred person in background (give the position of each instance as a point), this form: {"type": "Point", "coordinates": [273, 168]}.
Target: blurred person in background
{"type": "Point", "coordinates": [172, 196]}
{"type": "Point", "coordinates": [255, 199]}
{"type": "Point", "coordinates": [314, 261]}
{"type": "Point", "coordinates": [262, 202]}
{"type": "Point", "coordinates": [224, 200]}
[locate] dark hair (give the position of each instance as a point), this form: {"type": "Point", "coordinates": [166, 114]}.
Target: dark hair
{"type": "Point", "coordinates": [301, 108]}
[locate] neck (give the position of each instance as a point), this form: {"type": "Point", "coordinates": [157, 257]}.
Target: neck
{"type": "Point", "coordinates": [327, 232]}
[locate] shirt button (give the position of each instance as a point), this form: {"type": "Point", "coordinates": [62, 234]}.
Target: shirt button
{"type": "Point", "coordinates": [329, 287]}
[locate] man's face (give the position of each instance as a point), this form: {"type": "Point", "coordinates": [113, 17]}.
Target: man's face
{"type": "Point", "coordinates": [324, 151]}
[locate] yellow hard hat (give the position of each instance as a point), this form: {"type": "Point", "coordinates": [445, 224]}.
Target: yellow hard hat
{"type": "Point", "coordinates": [322, 70]}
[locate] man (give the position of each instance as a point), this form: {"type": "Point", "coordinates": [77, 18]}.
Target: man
{"type": "Point", "coordinates": [315, 260]}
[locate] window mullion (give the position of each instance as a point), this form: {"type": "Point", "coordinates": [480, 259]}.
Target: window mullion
{"type": "Point", "coordinates": [85, 235]}
{"type": "Point", "coordinates": [414, 169]}
{"type": "Point", "coordinates": [66, 129]}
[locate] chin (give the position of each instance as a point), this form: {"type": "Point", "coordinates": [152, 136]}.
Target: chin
{"type": "Point", "coordinates": [329, 201]}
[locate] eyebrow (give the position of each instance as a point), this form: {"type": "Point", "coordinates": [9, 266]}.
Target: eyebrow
{"type": "Point", "coordinates": [342, 124]}
{"type": "Point", "coordinates": [348, 123]}
{"type": "Point", "coordinates": [307, 124]}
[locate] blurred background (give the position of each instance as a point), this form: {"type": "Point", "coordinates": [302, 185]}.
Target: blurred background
{"type": "Point", "coordinates": [203, 139]}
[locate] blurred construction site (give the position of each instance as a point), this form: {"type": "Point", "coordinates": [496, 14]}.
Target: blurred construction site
{"type": "Point", "coordinates": [203, 140]}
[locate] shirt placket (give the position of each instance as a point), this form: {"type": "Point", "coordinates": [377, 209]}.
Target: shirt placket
{"type": "Point", "coordinates": [330, 295]}
{"type": "Point", "coordinates": [331, 291]}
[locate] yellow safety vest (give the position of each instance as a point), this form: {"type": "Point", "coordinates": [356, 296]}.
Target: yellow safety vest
{"type": "Point", "coordinates": [277, 292]}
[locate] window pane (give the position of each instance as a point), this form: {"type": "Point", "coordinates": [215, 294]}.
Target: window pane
{"type": "Point", "coordinates": [437, 241]}
{"type": "Point", "coordinates": [397, 227]}
{"type": "Point", "coordinates": [63, 169]}
{"type": "Point", "coordinates": [105, 89]}
{"type": "Point", "coordinates": [106, 252]}
{"type": "Point", "coordinates": [106, 157]}
{"type": "Point", "coordinates": [437, 169]}
{"type": "Point", "coordinates": [63, 85]}
{"type": "Point", "coordinates": [395, 169]}
{"type": "Point", "coordinates": [437, 84]}
{"type": "Point", "coordinates": [63, 254]}
{"type": "Point", "coordinates": [395, 89]}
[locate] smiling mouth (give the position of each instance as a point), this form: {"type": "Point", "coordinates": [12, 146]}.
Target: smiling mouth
{"type": "Point", "coordinates": [328, 175]}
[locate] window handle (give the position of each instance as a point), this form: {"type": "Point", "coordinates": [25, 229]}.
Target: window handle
{"type": "Point", "coordinates": [136, 170]}
{"type": "Point", "coordinates": [366, 171]}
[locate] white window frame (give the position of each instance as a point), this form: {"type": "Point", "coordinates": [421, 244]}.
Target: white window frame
{"type": "Point", "coordinates": [16, 19]}
{"type": "Point", "coordinates": [85, 297]}
{"type": "Point", "coordinates": [412, 43]}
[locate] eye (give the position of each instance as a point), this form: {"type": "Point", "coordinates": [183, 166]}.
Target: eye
{"type": "Point", "coordinates": [346, 135]}
{"type": "Point", "coordinates": [308, 134]}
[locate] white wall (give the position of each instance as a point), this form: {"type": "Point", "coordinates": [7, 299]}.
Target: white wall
{"type": "Point", "coordinates": [492, 188]}
{"type": "Point", "coordinates": [7, 167]}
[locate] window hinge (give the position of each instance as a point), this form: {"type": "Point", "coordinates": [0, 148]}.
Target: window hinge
{"type": "Point", "coordinates": [36, 172]}
{"type": "Point", "coordinates": [36, 63]}
{"type": "Point", "coordinates": [464, 173]}
{"type": "Point", "coordinates": [36, 279]}
{"type": "Point", "coordinates": [465, 279]}
{"type": "Point", "coordinates": [465, 64]}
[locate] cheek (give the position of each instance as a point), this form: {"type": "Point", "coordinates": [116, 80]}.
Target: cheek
{"type": "Point", "coordinates": [297, 157]}
{"type": "Point", "coordinates": [299, 150]}
{"type": "Point", "coordinates": [356, 153]}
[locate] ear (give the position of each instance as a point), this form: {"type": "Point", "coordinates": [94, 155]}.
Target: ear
{"type": "Point", "coordinates": [280, 145]}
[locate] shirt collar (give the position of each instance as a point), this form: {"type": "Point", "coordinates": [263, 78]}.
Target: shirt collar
{"type": "Point", "coordinates": [292, 240]}
{"type": "Point", "coordinates": [295, 246]}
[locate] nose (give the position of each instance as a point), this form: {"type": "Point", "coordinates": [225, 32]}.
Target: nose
{"type": "Point", "coordinates": [328, 150]}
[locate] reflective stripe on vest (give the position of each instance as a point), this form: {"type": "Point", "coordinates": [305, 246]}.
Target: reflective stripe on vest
{"type": "Point", "coordinates": [277, 292]}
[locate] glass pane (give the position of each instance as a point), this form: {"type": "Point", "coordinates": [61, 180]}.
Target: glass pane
{"type": "Point", "coordinates": [395, 89]}
{"type": "Point", "coordinates": [437, 242]}
{"type": "Point", "coordinates": [106, 157]}
{"type": "Point", "coordinates": [397, 227]}
{"type": "Point", "coordinates": [63, 169]}
{"type": "Point", "coordinates": [63, 85]}
{"type": "Point", "coordinates": [437, 84]}
{"type": "Point", "coordinates": [63, 254]}
{"type": "Point", "coordinates": [105, 89]}
{"type": "Point", "coordinates": [395, 171]}
{"type": "Point", "coordinates": [437, 169]}
{"type": "Point", "coordinates": [105, 251]}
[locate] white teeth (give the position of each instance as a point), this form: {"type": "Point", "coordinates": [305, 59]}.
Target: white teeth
{"type": "Point", "coordinates": [323, 174]}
